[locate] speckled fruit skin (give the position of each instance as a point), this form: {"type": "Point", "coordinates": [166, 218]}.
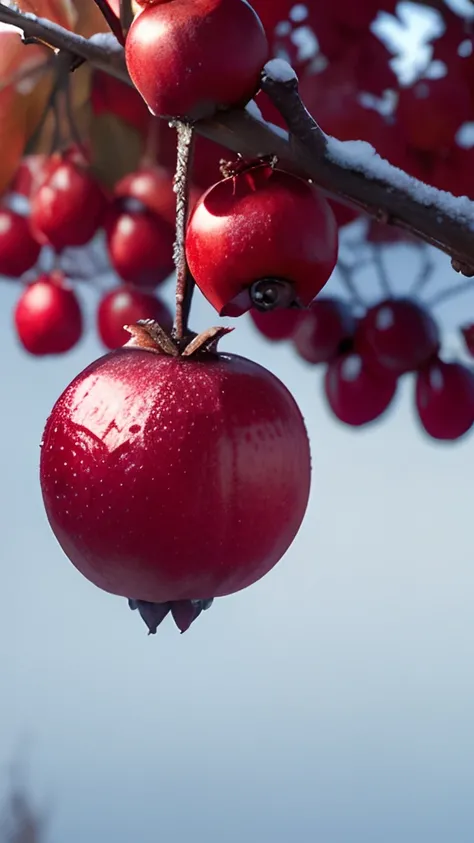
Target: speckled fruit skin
{"type": "Point", "coordinates": [188, 58]}
{"type": "Point", "coordinates": [262, 223]}
{"type": "Point", "coordinates": [169, 478]}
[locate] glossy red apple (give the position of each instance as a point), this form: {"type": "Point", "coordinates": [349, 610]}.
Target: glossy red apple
{"type": "Point", "coordinates": [189, 58]}
{"type": "Point", "coordinates": [140, 245]}
{"type": "Point", "coordinates": [276, 325]}
{"type": "Point", "coordinates": [48, 318]}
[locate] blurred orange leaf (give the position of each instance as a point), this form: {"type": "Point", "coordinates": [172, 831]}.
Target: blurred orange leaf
{"type": "Point", "coordinates": [62, 12]}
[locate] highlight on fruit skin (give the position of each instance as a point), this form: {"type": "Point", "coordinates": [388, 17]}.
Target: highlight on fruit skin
{"type": "Point", "coordinates": [169, 476]}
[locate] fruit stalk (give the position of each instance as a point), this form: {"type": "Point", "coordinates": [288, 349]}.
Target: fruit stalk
{"type": "Point", "coordinates": [182, 184]}
{"type": "Point", "coordinates": [126, 14]}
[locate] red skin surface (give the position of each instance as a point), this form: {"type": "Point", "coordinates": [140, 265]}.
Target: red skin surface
{"type": "Point", "coordinates": [125, 306]}
{"type": "Point", "coordinates": [19, 250]}
{"type": "Point", "coordinates": [28, 175]}
{"type": "Point", "coordinates": [444, 399]}
{"type": "Point", "coordinates": [140, 247]}
{"type": "Point", "coordinates": [68, 207]}
{"type": "Point", "coordinates": [323, 329]}
{"type": "Point", "coordinates": [262, 223]}
{"type": "Point", "coordinates": [172, 479]}
{"type": "Point", "coordinates": [110, 96]}
{"type": "Point", "coordinates": [189, 58]}
{"type": "Point", "coordinates": [431, 111]}
{"type": "Point", "coordinates": [277, 324]}
{"type": "Point", "coordinates": [398, 335]}
{"type": "Point", "coordinates": [355, 394]}
{"type": "Point", "coordinates": [48, 317]}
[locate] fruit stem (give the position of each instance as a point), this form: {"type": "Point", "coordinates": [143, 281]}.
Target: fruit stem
{"type": "Point", "coordinates": [126, 15]}
{"type": "Point", "coordinates": [182, 184]}
{"type": "Point", "coordinates": [111, 19]}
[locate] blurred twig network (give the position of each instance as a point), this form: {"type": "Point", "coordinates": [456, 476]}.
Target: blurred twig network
{"type": "Point", "coordinates": [19, 821]}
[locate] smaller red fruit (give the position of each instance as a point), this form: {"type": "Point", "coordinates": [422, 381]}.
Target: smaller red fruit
{"type": "Point", "coordinates": [28, 175]}
{"type": "Point", "coordinates": [68, 207]}
{"type": "Point", "coordinates": [48, 317]}
{"type": "Point", "coordinates": [262, 238]}
{"type": "Point", "coordinates": [276, 324]}
{"type": "Point", "coordinates": [188, 58]}
{"type": "Point", "coordinates": [324, 330]}
{"type": "Point", "coordinates": [140, 245]}
{"type": "Point", "coordinates": [355, 394]}
{"type": "Point", "coordinates": [125, 306]}
{"type": "Point", "coordinates": [19, 250]}
{"type": "Point", "coordinates": [444, 398]}
{"type": "Point", "coordinates": [398, 334]}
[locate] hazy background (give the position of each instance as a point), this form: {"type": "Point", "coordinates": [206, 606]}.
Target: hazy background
{"type": "Point", "coordinates": [330, 702]}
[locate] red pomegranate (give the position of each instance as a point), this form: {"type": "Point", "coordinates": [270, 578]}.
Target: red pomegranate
{"type": "Point", "coordinates": [170, 478]}
{"type": "Point", "coordinates": [355, 394]}
{"type": "Point", "coordinates": [262, 237]}
{"type": "Point", "coordinates": [125, 306]}
{"type": "Point", "coordinates": [444, 398]}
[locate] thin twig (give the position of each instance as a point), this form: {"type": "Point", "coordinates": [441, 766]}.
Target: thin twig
{"type": "Point", "coordinates": [182, 184]}
{"type": "Point", "coordinates": [425, 273]}
{"type": "Point", "coordinates": [111, 19]}
{"type": "Point", "coordinates": [126, 15]}
{"type": "Point", "coordinates": [381, 271]}
{"type": "Point", "coordinates": [451, 293]}
{"type": "Point", "coordinates": [346, 274]}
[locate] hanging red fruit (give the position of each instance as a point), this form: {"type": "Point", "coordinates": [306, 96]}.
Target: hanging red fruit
{"type": "Point", "coordinates": [19, 250]}
{"type": "Point", "coordinates": [189, 58]}
{"type": "Point", "coordinates": [398, 334]}
{"type": "Point", "coordinates": [125, 306]}
{"type": "Point", "coordinates": [324, 330]}
{"type": "Point", "coordinates": [68, 207]}
{"type": "Point", "coordinates": [261, 238]}
{"type": "Point", "coordinates": [48, 318]}
{"type": "Point", "coordinates": [140, 244]}
{"type": "Point", "coordinates": [444, 398]}
{"type": "Point", "coordinates": [355, 394]}
{"type": "Point", "coordinates": [170, 477]}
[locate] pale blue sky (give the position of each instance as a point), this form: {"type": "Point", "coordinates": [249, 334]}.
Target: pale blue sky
{"type": "Point", "coordinates": [331, 701]}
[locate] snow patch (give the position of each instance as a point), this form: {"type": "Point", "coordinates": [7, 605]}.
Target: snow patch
{"type": "Point", "coordinates": [107, 41]}
{"type": "Point", "coordinates": [279, 70]}
{"type": "Point", "coordinates": [253, 109]}
{"type": "Point", "coordinates": [362, 157]}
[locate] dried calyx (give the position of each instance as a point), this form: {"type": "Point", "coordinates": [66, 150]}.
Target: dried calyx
{"type": "Point", "coordinates": [150, 336]}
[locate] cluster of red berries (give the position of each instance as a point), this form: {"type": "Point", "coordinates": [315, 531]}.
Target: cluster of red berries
{"type": "Point", "coordinates": [365, 356]}
{"type": "Point", "coordinates": [65, 206]}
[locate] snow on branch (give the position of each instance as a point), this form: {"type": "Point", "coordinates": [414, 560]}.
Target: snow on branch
{"type": "Point", "coordinates": [350, 171]}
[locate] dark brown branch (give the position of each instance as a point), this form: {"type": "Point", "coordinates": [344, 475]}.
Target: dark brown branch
{"type": "Point", "coordinates": [182, 183]}
{"type": "Point", "coordinates": [59, 38]}
{"type": "Point", "coordinates": [307, 155]}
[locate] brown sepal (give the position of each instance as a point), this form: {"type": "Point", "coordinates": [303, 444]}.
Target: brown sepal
{"type": "Point", "coordinates": [206, 341]}
{"type": "Point", "coordinates": [147, 334]}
